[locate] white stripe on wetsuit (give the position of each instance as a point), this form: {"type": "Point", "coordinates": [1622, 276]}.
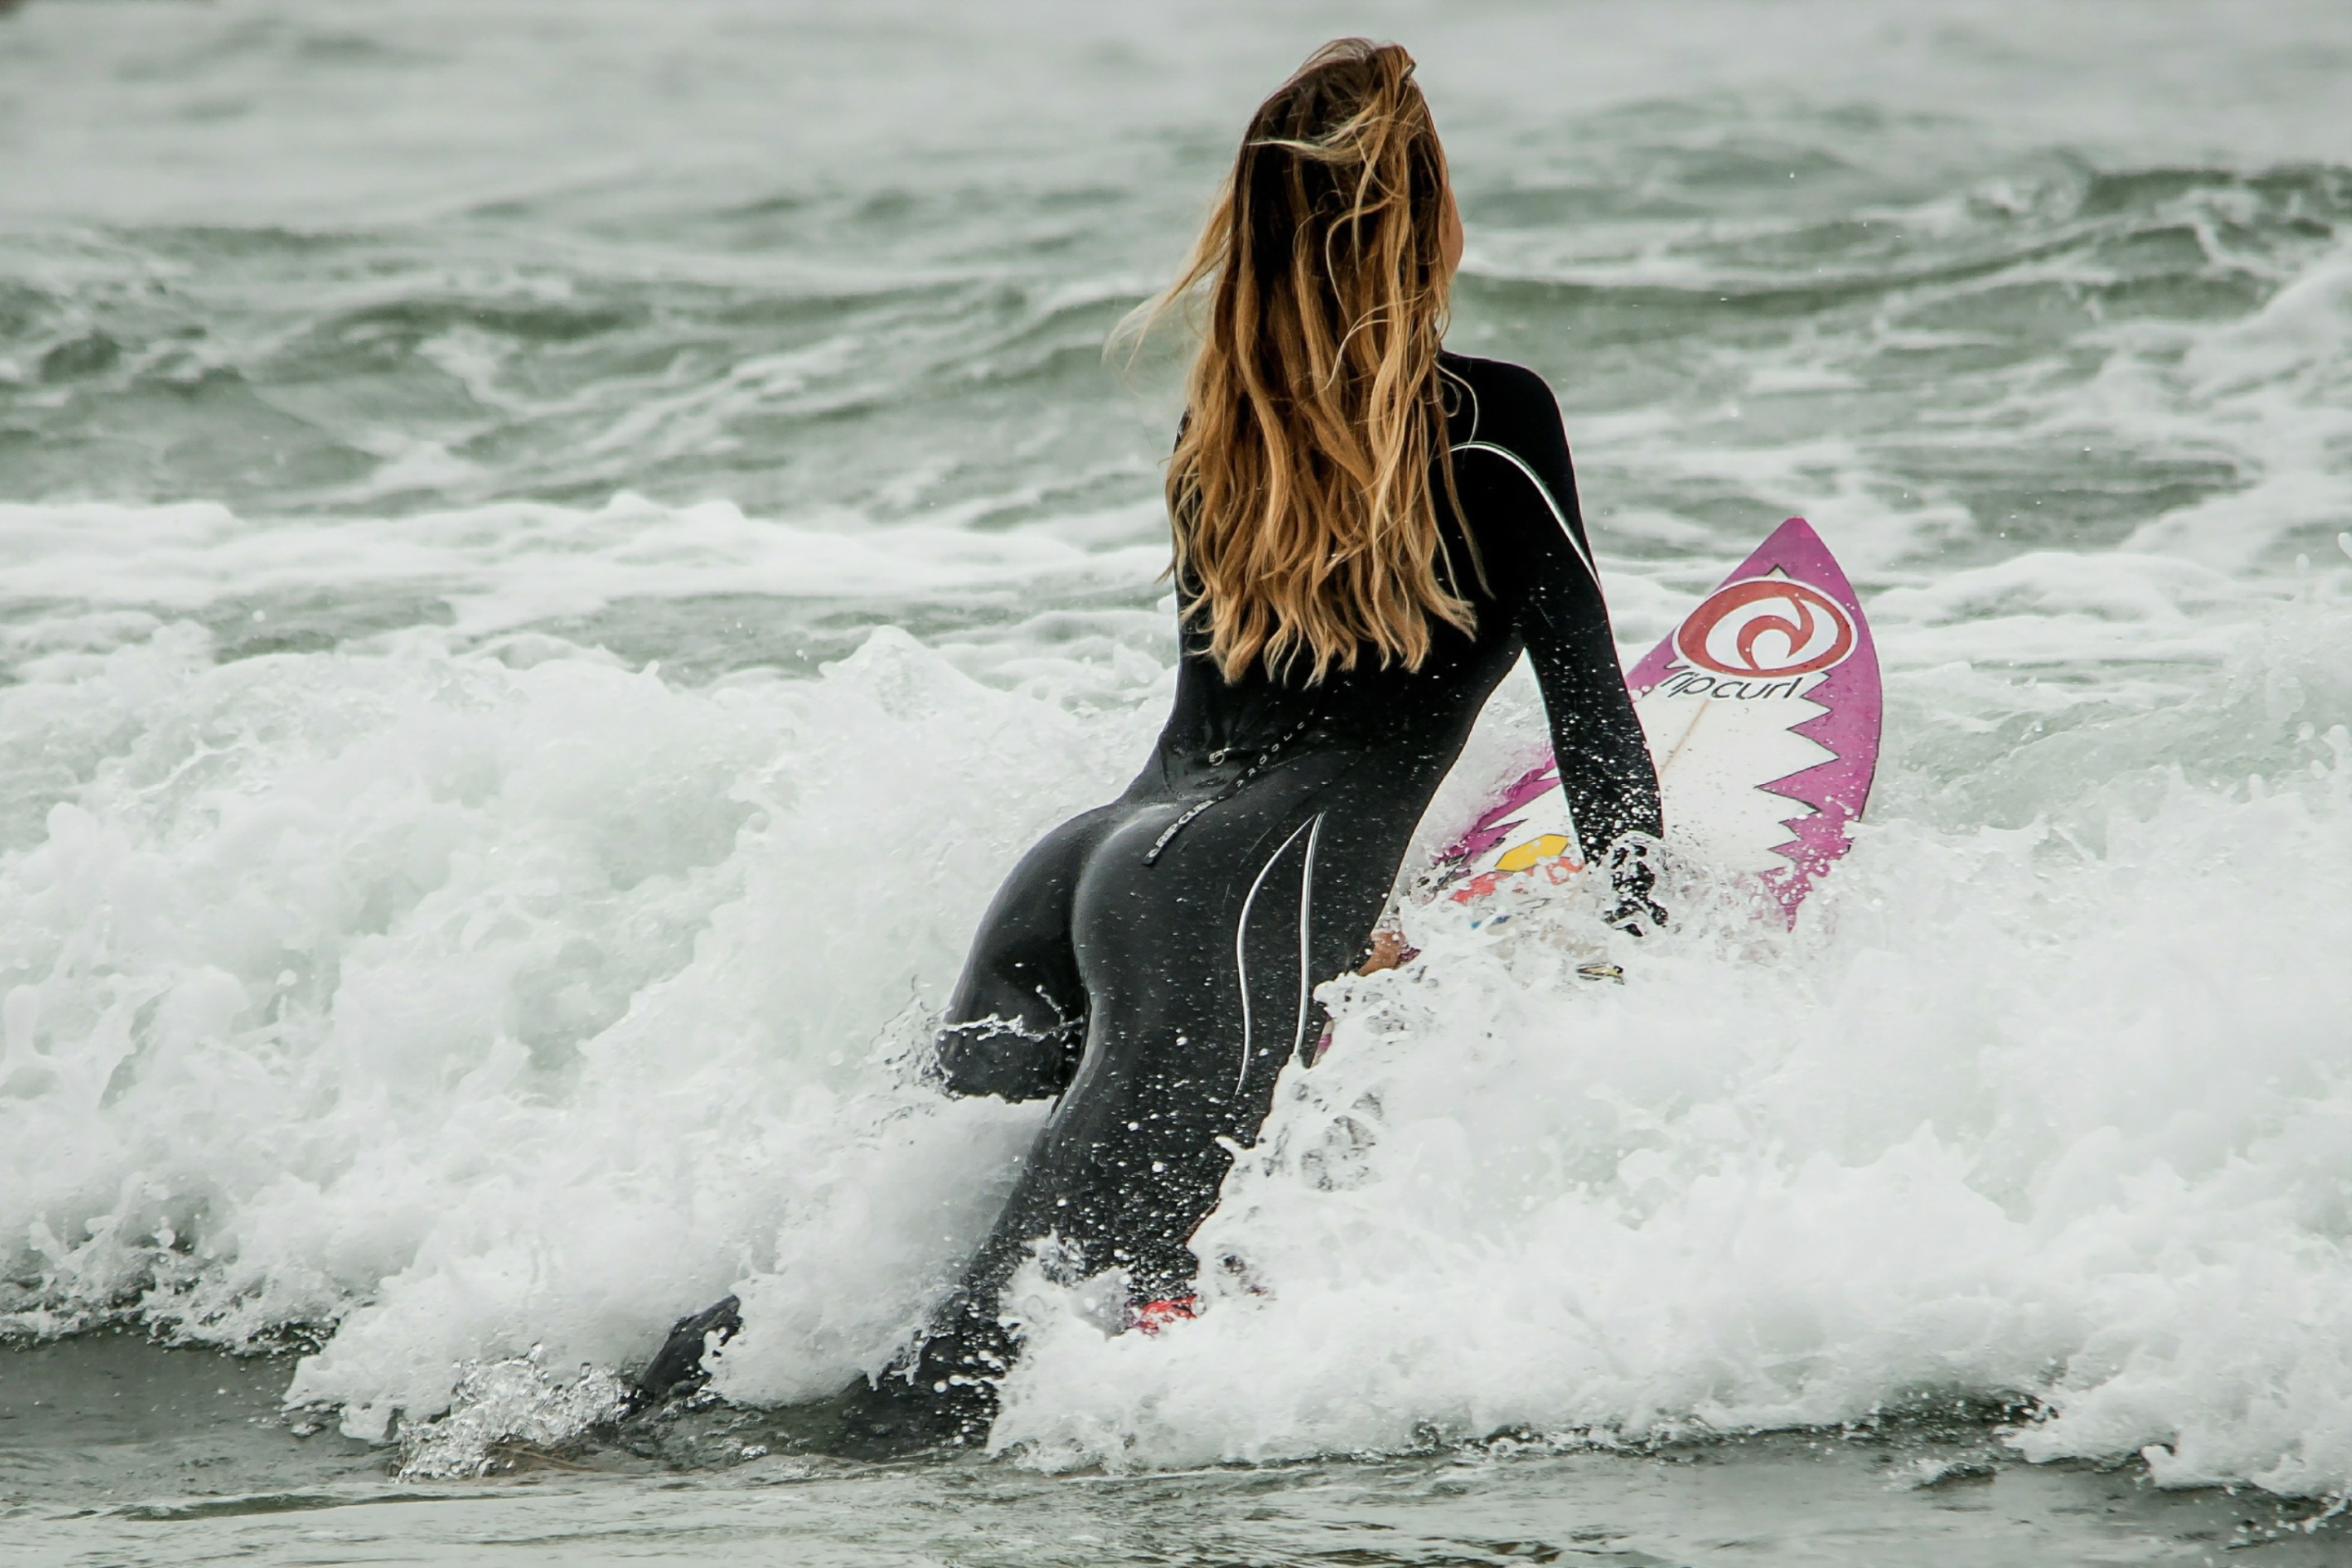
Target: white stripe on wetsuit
{"type": "Point", "coordinates": [1314, 831]}
{"type": "Point", "coordinates": [1544, 490]}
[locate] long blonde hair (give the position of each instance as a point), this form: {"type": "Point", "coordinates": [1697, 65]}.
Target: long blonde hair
{"type": "Point", "coordinates": [1300, 487]}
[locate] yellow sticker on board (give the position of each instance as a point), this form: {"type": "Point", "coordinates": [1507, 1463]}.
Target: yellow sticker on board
{"type": "Point", "coordinates": [1527, 857]}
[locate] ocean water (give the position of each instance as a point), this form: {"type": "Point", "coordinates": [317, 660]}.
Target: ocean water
{"type": "Point", "coordinates": [551, 554]}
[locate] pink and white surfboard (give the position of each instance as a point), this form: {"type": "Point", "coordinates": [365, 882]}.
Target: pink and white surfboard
{"type": "Point", "coordinates": [1762, 710]}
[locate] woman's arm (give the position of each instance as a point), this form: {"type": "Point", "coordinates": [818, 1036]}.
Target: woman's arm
{"type": "Point", "coordinates": [1605, 772]}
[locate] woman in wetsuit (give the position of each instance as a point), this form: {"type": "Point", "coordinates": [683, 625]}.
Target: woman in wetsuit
{"type": "Point", "coordinates": [1369, 532]}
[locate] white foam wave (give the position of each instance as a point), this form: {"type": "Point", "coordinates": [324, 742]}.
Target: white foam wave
{"type": "Point", "coordinates": [2057, 1110]}
{"type": "Point", "coordinates": [484, 1003]}
{"type": "Point", "coordinates": [2274, 390]}
{"type": "Point", "coordinates": [468, 1008]}
{"type": "Point", "coordinates": [456, 1003]}
{"type": "Point", "coordinates": [464, 1007]}
{"type": "Point", "coordinates": [513, 563]}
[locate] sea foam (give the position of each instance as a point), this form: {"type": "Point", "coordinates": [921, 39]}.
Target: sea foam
{"type": "Point", "coordinates": [2056, 1110]}
{"type": "Point", "coordinates": [456, 1006]}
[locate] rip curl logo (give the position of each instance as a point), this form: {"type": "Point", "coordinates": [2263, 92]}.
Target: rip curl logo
{"type": "Point", "coordinates": [1768, 626]}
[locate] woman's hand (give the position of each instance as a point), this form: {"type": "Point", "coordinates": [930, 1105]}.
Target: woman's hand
{"type": "Point", "coordinates": [1389, 950]}
{"type": "Point", "coordinates": [1631, 881]}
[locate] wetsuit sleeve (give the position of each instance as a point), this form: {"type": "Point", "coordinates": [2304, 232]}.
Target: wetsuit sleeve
{"type": "Point", "coordinates": [1605, 770]}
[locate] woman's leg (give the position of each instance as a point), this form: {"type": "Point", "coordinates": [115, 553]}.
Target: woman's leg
{"type": "Point", "coordinates": [1017, 1020]}
{"type": "Point", "coordinates": [1199, 971]}
{"type": "Point", "coordinates": [1014, 1027]}
{"type": "Point", "coordinates": [1020, 1025]}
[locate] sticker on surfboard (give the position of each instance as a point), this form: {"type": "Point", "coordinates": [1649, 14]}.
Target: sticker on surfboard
{"type": "Point", "coordinates": [1762, 710]}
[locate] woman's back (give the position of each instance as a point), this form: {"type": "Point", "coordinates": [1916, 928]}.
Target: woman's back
{"type": "Point", "coordinates": [1519, 557]}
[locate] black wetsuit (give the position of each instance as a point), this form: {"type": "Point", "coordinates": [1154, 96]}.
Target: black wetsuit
{"type": "Point", "coordinates": [1152, 963]}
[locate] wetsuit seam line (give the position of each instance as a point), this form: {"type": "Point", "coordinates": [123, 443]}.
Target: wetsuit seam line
{"type": "Point", "coordinates": [1543, 490]}
{"type": "Point", "coordinates": [1241, 937]}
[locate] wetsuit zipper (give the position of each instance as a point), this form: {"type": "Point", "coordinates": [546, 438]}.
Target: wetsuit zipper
{"type": "Point", "coordinates": [1266, 757]}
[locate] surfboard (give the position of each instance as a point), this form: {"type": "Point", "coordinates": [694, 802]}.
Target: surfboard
{"type": "Point", "coordinates": [1762, 709]}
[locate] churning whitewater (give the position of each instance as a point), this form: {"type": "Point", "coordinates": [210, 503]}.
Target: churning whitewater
{"type": "Point", "coordinates": [516, 705]}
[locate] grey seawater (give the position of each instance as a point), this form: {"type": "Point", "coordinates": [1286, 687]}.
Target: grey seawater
{"type": "Point", "coordinates": [401, 297]}
{"type": "Point", "coordinates": [114, 1450]}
